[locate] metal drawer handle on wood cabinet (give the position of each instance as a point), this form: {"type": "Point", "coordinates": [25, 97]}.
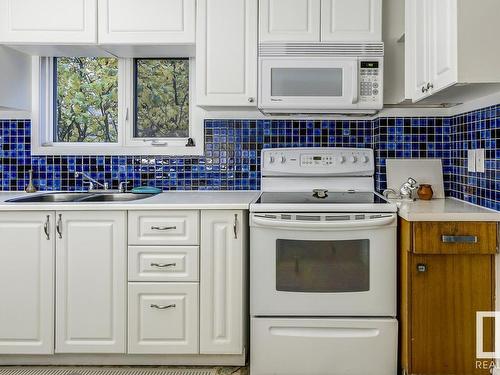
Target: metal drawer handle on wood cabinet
{"type": "Point", "coordinates": [59, 226]}
{"type": "Point", "coordinates": [163, 265]}
{"type": "Point", "coordinates": [161, 307]}
{"type": "Point", "coordinates": [46, 227]}
{"type": "Point", "coordinates": [235, 226]}
{"type": "Point", "coordinates": [459, 239]}
{"type": "Point", "coordinates": [163, 228]}
{"type": "Point", "coordinates": [421, 267]}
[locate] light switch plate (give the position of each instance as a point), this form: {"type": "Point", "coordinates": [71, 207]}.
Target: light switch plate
{"type": "Point", "coordinates": [480, 155]}
{"type": "Point", "coordinates": [471, 160]}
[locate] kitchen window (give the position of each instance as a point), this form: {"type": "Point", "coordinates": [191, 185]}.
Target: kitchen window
{"type": "Point", "coordinates": [106, 106]}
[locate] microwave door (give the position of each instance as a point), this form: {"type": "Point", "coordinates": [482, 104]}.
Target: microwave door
{"type": "Point", "coordinates": [309, 84]}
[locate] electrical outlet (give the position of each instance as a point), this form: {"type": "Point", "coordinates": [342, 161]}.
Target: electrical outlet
{"type": "Point", "coordinates": [480, 155]}
{"type": "Point", "coordinates": [471, 160]}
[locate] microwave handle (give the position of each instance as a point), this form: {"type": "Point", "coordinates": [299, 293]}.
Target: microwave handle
{"type": "Point", "coordinates": [355, 84]}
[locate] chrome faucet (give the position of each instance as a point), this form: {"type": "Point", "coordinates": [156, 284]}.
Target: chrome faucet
{"type": "Point", "coordinates": [91, 182]}
{"type": "Point", "coordinates": [406, 190]}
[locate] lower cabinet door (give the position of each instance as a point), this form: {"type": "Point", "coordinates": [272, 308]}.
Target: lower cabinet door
{"type": "Point", "coordinates": [163, 318]}
{"type": "Point", "coordinates": [91, 281]}
{"type": "Point", "coordinates": [26, 283]}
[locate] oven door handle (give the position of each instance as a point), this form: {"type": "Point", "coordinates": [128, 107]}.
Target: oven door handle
{"type": "Point", "coordinates": [344, 224]}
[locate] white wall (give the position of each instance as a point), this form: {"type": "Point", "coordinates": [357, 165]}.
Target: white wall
{"type": "Point", "coordinates": [15, 80]}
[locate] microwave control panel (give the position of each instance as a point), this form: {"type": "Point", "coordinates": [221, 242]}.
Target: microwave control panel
{"type": "Point", "coordinates": [370, 79]}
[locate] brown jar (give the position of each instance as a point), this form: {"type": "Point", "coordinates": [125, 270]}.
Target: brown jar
{"type": "Point", "coordinates": [425, 192]}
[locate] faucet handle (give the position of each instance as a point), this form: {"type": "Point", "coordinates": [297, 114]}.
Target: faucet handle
{"type": "Point", "coordinates": [122, 186]}
{"type": "Point", "coordinates": [412, 181]}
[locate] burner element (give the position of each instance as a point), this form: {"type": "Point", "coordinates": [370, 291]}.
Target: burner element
{"type": "Point", "coordinates": [320, 193]}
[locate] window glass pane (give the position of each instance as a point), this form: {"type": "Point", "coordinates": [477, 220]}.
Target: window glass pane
{"type": "Point", "coordinates": [162, 98]}
{"type": "Point", "coordinates": [86, 91]}
{"type": "Point", "coordinates": [306, 82]}
{"type": "Point", "coordinates": [323, 266]}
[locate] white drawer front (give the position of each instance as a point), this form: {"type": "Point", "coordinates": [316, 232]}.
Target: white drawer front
{"type": "Point", "coordinates": [163, 228]}
{"type": "Point", "coordinates": [163, 318]}
{"type": "Point", "coordinates": [162, 263]}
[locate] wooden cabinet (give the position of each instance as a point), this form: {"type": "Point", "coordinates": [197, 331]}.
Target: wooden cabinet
{"type": "Point", "coordinates": [351, 20]}
{"type": "Point", "coordinates": [139, 22]}
{"type": "Point", "coordinates": [290, 20]}
{"type": "Point", "coordinates": [163, 318]}
{"type": "Point", "coordinates": [91, 282]}
{"type": "Point", "coordinates": [226, 53]}
{"type": "Point", "coordinates": [223, 284]}
{"type": "Point", "coordinates": [441, 290]}
{"type": "Point", "coordinates": [26, 283]}
{"type": "Point", "coordinates": [48, 21]}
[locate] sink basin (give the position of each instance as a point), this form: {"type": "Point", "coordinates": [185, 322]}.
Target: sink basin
{"type": "Point", "coordinates": [115, 197]}
{"type": "Point", "coordinates": [50, 198]}
{"type": "Point", "coordinates": [80, 197]}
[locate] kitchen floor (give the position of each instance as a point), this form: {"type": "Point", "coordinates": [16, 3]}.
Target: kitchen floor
{"type": "Point", "coordinates": [72, 370]}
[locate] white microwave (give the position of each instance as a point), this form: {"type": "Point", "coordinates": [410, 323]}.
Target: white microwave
{"type": "Point", "coordinates": [320, 79]}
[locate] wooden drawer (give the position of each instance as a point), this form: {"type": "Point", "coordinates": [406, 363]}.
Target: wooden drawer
{"type": "Point", "coordinates": [163, 318]}
{"type": "Point", "coordinates": [163, 228]}
{"type": "Point", "coordinates": [163, 263]}
{"type": "Point", "coordinates": [454, 237]}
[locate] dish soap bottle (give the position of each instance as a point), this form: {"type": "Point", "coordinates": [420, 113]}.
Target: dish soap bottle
{"type": "Point", "coordinates": [31, 187]}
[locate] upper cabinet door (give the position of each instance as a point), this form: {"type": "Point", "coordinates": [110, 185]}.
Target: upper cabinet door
{"type": "Point", "coordinates": [417, 76]}
{"type": "Point", "coordinates": [145, 22]}
{"type": "Point", "coordinates": [443, 44]}
{"type": "Point", "coordinates": [226, 52]}
{"type": "Point", "coordinates": [351, 20]}
{"type": "Point", "coordinates": [48, 21]}
{"type": "Point", "coordinates": [91, 282]}
{"type": "Point", "coordinates": [290, 20]}
{"type": "Point", "coordinates": [26, 283]}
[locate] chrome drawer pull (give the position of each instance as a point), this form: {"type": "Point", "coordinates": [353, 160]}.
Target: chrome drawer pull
{"type": "Point", "coordinates": [46, 227]}
{"type": "Point", "coordinates": [163, 265]}
{"type": "Point", "coordinates": [160, 307]}
{"type": "Point", "coordinates": [459, 239]}
{"type": "Point", "coordinates": [163, 228]}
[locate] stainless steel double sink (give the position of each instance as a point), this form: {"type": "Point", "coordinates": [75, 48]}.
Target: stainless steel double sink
{"type": "Point", "coordinates": [80, 197]}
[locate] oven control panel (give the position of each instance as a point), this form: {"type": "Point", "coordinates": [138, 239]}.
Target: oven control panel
{"type": "Point", "coordinates": [318, 161]}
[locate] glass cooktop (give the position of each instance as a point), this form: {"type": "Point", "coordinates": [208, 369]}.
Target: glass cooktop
{"type": "Point", "coordinates": [320, 198]}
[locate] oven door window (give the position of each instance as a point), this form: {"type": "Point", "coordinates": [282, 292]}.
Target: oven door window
{"type": "Point", "coordinates": [315, 82]}
{"type": "Point", "coordinates": [323, 266]}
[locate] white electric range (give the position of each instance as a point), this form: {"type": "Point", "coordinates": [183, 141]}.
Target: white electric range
{"type": "Point", "coordinates": [322, 266]}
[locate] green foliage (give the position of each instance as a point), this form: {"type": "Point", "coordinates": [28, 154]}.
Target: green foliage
{"type": "Point", "coordinates": [162, 107]}
{"type": "Point", "coordinates": [87, 99]}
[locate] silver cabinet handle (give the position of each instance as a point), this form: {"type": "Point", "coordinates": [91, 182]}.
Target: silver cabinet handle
{"type": "Point", "coordinates": [162, 228]}
{"type": "Point", "coordinates": [235, 226]}
{"type": "Point", "coordinates": [430, 86]}
{"type": "Point", "coordinates": [421, 267]}
{"type": "Point", "coordinates": [459, 239]}
{"type": "Point", "coordinates": [424, 89]}
{"type": "Point", "coordinates": [59, 226]}
{"type": "Point", "coordinates": [251, 100]}
{"type": "Point", "coordinates": [163, 265]}
{"type": "Point", "coordinates": [46, 227]}
{"type": "Point", "coordinates": [162, 307]}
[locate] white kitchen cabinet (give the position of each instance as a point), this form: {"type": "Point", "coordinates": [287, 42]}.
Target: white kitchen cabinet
{"type": "Point", "coordinates": [290, 20]}
{"type": "Point", "coordinates": [143, 28]}
{"type": "Point", "coordinates": [226, 52]}
{"type": "Point", "coordinates": [26, 283]}
{"type": "Point", "coordinates": [48, 21]}
{"type": "Point", "coordinates": [223, 284]}
{"type": "Point", "coordinates": [351, 20]}
{"type": "Point", "coordinates": [163, 318]}
{"type": "Point", "coordinates": [91, 279]}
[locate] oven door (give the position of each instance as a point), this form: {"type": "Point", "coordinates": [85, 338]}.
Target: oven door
{"type": "Point", "coordinates": [314, 83]}
{"type": "Point", "coordinates": [323, 264]}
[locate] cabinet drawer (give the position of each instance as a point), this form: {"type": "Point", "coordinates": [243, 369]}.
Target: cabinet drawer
{"type": "Point", "coordinates": [161, 263]}
{"type": "Point", "coordinates": [454, 237]}
{"type": "Point", "coordinates": [163, 318]}
{"type": "Point", "coordinates": [163, 228]}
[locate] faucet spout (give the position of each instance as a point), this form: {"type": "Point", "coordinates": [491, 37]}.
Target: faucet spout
{"type": "Point", "coordinates": [91, 181]}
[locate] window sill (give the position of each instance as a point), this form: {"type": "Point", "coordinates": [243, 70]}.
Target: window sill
{"type": "Point", "coordinates": [118, 150]}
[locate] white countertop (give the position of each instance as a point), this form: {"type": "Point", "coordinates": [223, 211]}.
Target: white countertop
{"type": "Point", "coordinates": [448, 209]}
{"type": "Point", "coordinates": [177, 200]}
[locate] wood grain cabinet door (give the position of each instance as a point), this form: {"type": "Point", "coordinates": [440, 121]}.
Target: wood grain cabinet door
{"type": "Point", "coordinates": [447, 291]}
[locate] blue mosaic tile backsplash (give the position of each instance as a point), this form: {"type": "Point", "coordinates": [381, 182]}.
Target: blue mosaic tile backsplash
{"type": "Point", "coordinates": [232, 154]}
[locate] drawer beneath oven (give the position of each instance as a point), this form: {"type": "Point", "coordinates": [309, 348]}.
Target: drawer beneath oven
{"type": "Point", "coordinates": [296, 346]}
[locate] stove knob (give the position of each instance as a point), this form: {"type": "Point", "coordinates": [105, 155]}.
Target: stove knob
{"type": "Point", "coordinates": [341, 159]}
{"type": "Point", "coordinates": [366, 159]}
{"type": "Point", "coordinates": [353, 159]}
{"type": "Point", "coordinates": [271, 159]}
{"type": "Point", "coordinates": [283, 160]}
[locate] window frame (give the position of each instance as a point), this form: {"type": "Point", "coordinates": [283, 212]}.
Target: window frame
{"type": "Point", "coordinates": [42, 132]}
